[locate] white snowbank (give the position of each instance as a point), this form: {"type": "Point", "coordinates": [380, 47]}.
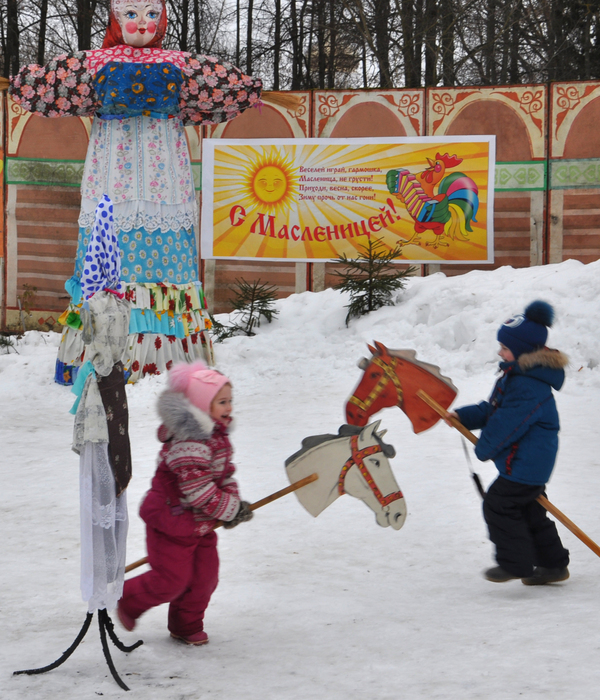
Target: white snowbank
{"type": "Point", "coordinates": [333, 607]}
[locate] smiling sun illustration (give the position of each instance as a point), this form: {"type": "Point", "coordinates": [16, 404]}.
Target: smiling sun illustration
{"type": "Point", "coordinates": [271, 182]}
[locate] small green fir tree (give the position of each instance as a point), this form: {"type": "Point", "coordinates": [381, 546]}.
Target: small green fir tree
{"type": "Point", "coordinates": [6, 342]}
{"type": "Point", "coordinates": [371, 278]}
{"type": "Point", "coordinates": [251, 302]}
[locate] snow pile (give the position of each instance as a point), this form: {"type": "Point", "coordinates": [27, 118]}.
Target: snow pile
{"type": "Point", "coordinates": [332, 607]}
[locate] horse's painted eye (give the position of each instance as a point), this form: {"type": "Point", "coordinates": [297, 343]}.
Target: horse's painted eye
{"type": "Point", "coordinates": [374, 375]}
{"type": "Point", "coordinates": [376, 463]}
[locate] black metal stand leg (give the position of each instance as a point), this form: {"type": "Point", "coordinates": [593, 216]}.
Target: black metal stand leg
{"type": "Point", "coordinates": [106, 625]}
{"type": "Point", "coordinates": [67, 653]}
{"type": "Point", "coordinates": [110, 628]}
{"type": "Point", "coordinates": [105, 649]}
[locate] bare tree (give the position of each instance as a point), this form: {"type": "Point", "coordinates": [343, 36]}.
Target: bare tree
{"type": "Point", "coordinates": [303, 44]}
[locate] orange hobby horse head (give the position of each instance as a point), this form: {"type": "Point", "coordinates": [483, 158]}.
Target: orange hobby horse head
{"type": "Point", "coordinates": [392, 378]}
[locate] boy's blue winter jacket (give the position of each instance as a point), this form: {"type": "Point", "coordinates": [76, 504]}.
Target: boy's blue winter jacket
{"type": "Point", "coordinates": [520, 421]}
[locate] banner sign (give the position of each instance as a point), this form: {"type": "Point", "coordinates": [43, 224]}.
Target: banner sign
{"type": "Point", "coordinates": [305, 200]}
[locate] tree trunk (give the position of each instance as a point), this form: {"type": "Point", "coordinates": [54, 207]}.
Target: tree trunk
{"type": "Point", "coordinates": [85, 15]}
{"type": "Point", "coordinates": [419, 34]}
{"type": "Point", "coordinates": [490, 44]}
{"type": "Point", "coordinates": [41, 48]}
{"type": "Point", "coordinates": [296, 51]}
{"type": "Point", "coordinates": [431, 51]}
{"type": "Point", "coordinates": [185, 11]}
{"type": "Point", "coordinates": [554, 37]}
{"type": "Point", "coordinates": [587, 47]}
{"type": "Point", "coordinates": [515, 36]}
{"type": "Point", "coordinates": [277, 45]}
{"type": "Point", "coordinates": [332, 46]}
{"type": "Point", "coordinates": [321, 53]}
{"type": "Point", "coordinates": [507, 12]}
{"type": "Point", "coordinates": [237, 32]}
{"type": "Point", "coordinates": [11, 54]}
{"type": "Point", "coordinates": [249, 38]}
{"type": "Point", "coordinates": [407, 20]}
{"type": "Point", "coordinates": [447, 41]}
{"type": "Point", "coordinates": [309, 80]}
{"type": "Point", "coordinates": [382, 41]}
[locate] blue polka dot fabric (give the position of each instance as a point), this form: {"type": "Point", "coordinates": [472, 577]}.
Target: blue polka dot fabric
{"type": "Point", "coordinates": [102, 261]}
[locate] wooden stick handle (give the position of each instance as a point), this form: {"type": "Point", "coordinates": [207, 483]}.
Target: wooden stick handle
{"type": "Point", "coordinates": [559, 515]}
{"type": "Point", "coordinates": [432, 403]}
{"type": "Point", "coordinates": [253, 506]}
{"type": "Point", "coordinates": [550, 507]}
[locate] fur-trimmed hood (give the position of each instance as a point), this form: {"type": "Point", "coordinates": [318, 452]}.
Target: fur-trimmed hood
{"type": "Point", "coordinates": [181, 420]}
{"type": "Point", "coordinates": [546, 365]}
{"type": "Point", "coordinates": [545, 357]}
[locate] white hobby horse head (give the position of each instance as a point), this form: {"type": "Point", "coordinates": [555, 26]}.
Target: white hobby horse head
{"type": "Point", "coordinates": [354, 462]}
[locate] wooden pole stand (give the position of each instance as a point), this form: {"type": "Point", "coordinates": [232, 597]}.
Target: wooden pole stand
{"type": "Point", "coordinates": [550, 507]}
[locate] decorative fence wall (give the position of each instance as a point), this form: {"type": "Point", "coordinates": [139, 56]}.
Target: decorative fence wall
{"type": "Point", "coordinates": [547, 189]}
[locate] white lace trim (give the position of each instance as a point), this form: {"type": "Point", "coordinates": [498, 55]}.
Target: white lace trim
{"type": "Point", "coordinates": [104, 524]}
{"type": "Point", "coordinates": [151, 216]}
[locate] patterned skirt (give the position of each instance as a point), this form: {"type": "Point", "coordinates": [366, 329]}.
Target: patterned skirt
{"type": "Point", "coordinates": [169, 320]}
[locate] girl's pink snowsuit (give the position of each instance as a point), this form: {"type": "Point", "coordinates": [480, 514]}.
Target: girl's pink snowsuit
{"type": "Point", "coordinates": [192, 489]}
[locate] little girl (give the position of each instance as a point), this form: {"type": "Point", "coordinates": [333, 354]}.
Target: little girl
{"type": "Point", "coordinates": [192, 489]}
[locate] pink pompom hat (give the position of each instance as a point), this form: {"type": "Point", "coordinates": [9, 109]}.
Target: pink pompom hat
{"type": "Point", "coordinates": [199, 383]}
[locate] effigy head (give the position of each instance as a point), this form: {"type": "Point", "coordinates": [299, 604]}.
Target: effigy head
{"type": "Point", "coordinates": [137, 23]}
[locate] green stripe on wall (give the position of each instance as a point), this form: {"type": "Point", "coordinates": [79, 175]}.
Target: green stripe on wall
{"type": "Point", "coordinates": [63, 173]}
{"type": "Point", "coordinates": [520, 176]}
{"type": "Point", "coordinates": [40, 171]}
{"type": "Point", "coordinates": [576, 173]}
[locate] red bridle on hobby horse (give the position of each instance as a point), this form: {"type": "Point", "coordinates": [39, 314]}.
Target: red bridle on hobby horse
{"type": "Point", "coordinates": [389, 375]}
{"type": "Point", "coordinates": [357, 458]}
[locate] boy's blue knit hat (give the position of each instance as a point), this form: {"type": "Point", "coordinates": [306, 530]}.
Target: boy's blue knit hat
{"type": "Point", "coordinates": [529, 331]}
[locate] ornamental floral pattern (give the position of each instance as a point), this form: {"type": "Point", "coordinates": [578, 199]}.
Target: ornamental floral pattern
{"type": "Point", "coordinates": [407, 105]}
{"type": "Point", "coordinates": [568, 100]}
{"type": "Point", "coordinates": [528, 101]}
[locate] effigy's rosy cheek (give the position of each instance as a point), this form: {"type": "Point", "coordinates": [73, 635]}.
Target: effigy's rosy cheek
{"type": "Point", "coordinates": [131, 27]}
{"type": "Point", "coordinates": [151, 27]}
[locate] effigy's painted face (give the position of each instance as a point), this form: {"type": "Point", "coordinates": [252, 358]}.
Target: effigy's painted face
{"type": "Point", "coordinates": [138, 21]}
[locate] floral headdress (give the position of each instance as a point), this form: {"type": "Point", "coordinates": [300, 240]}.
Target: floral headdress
{"type": "Point", "coordinates": [114, 35]}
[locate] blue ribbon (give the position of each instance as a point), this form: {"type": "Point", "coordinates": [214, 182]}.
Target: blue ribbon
{"type": "Point", "coordinates": [77, 388]}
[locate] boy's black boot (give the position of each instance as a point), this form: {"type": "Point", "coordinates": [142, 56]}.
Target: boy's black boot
{"type": "Point", "coordinates": [498, 575]}
{"type": "Point", "coordinates": [541, 575]}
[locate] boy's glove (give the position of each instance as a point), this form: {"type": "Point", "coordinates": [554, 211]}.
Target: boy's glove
{"type": "Point", "coordinates": [243, 515]}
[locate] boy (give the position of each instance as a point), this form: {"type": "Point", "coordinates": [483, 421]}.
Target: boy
{"type": "Point", "coordinates": [519, 431]}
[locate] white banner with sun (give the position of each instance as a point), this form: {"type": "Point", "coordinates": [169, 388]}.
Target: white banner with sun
{"type": "Point", "coordinates": [316, 199]}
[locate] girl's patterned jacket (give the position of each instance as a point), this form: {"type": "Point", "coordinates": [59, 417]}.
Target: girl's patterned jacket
{"type": "Point", "coordinates": [195, 472]}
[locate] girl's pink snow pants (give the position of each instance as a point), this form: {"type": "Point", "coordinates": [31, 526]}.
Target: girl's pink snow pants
{"type": "Point", "coordinates": [185, 572]}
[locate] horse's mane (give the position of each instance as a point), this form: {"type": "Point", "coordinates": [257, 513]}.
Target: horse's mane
{"type": "Point", "coordinates": [344, 431]}
{"type": "Point", "coordinates": [411, 356]}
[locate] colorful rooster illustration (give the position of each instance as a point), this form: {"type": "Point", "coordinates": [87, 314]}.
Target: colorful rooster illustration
{"type": "Point", "coordinates": [448, 214]}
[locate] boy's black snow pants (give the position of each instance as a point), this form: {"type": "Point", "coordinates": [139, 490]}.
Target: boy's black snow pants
{"type": "Point", "coordinates": [524, 536]}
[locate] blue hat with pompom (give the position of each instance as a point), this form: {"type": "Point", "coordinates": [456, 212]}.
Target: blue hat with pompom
{"type": "Point", "coordinates": [529, 331]}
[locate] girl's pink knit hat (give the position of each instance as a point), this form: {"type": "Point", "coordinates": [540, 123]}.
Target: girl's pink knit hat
{"type": "Point", "coordinates": [199, 383]}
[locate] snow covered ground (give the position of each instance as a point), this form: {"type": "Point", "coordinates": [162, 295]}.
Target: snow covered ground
{"type": "Point", "coordinates": [335, 607]}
